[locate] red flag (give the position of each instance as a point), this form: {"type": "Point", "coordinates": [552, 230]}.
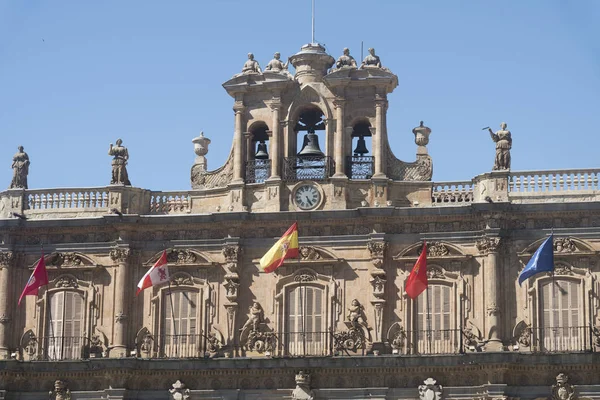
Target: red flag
{"type": "Point", "coordinates": [417, 280]}
{"type": "Point", "coordinates": [158, 273]}
{"type": "Point", "coordinates": [38, 278]}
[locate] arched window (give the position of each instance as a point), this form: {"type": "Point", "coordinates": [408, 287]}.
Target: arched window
{"type": "Point", "coordinates": [360, 163]}
{"type": "Point", "coordinates": [305, 330]}
{"type": "Point", "coordinates": [181, 331]}
{"type": "Point", "coordinates": [65, 336]}
{"type": "Point", "coordinates": [561, 325]}
{"type": "Point", "coordinates": [258, 166]}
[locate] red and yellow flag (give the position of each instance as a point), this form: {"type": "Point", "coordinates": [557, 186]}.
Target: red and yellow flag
{"type": "Point", "coordinates": [286, 247]}
{"type": "Point", "coordinates": [417, 280]}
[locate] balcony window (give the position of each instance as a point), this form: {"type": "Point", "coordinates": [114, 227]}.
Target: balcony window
{"type": "Point", "coordinates": [65, 333]}
{"type": "Point", "coordinates": [181, 334]}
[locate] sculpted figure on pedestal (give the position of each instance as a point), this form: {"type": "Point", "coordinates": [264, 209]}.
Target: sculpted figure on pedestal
{"type": "Point", "coordinates": [371, 61]}
{"type": "Point", "coordinates": [20, 168]}
{"type": "Point", "coordinates": [356, 314]}
{"type": "Point", "coordinates": [119, 164]}
{"type": "Point", "coordinates": [345, 60]}
{"type": "Point", "coordinates": [255, 317]}
{"type": "Point", "coordinates": [251, 66]}
{"type": "Point", "coordinates": [503, 145]}
{"type": "Point", "coordinates": [276, 65]}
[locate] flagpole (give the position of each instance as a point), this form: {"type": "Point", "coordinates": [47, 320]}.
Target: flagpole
{"type": "Point", "coordinates": [50, 314]}
{"type": "Point", "coordinates": [173, 319]}
{"type": "Point", "coordinates": [428, 318]}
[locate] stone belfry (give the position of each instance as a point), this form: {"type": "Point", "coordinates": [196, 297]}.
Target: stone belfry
{"type": "Point", "coordinates": [315, 139]}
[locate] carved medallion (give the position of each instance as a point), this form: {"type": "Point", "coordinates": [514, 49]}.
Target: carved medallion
{"type": "Point", "coordinates": [562, 390]}
{"type": "Point", "coordinates": [309, 253]}
{"type": "Point", "coordinates": [430, 390]}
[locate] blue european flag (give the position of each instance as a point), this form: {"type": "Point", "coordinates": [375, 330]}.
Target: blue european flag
{"type": "Point", "coordinates": [542, 261]}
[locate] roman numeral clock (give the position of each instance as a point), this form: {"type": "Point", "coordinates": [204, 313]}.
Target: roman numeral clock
{"type": "Point", "coordinates": [307, 195]}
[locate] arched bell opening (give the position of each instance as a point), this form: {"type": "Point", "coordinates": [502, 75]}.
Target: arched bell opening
{"type": "Point", "coordinates": [360, 163]}
{"type": "Point", "coordinates": [258, 165]}
{"type": "Point", "coordinates": [309, 162]}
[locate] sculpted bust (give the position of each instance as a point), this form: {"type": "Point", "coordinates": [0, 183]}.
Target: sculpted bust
{"type": "Point", "coordinates": [345, 60]}
{"type": "Point", "coordinates": [251, 66]}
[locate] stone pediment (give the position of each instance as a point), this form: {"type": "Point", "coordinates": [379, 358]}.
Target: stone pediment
{"type": "Point", "coordinates": [563, 246]}
{"type": "Point", "coordinates": [71, 260]}
{"type": "Point", "coordinates": [436, 250]}
{"type": "Point", "coordinates": [182, 257]}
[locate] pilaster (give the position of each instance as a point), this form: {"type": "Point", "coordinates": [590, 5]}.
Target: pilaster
{"type": "Point", "coordinates": [231, 253]}
{"type": "Point", "coordinates": [377, 250]}
{"type": "Point", "coordinates": [121, 257]}
{"type": "Point", "coordinates": [488, 247]}
{"type": "Point", "coordinates": [238, 143]}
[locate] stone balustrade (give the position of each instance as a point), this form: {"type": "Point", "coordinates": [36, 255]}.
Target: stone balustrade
{"type": "Point", "coordinates": [569, 180]}
{"type": "Point", "coordinates": [452, 193]}
{"type": "Point", "coordinates": [170, 202]}
{"type": "Point", "coordinates": [70, 198]}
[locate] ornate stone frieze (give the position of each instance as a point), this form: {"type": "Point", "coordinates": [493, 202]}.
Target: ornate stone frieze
{"type": "Point", "coordinates": [377, 251]}
{"type": "Point", "coordinates": [488, 244]}
{"type": "Point", "coordinates": [61, 391]}
{"type": "Point", "coordinates": [308, 253]}
{"type": "Point", "coordinates": [562, 389]}
{"type": "Point", "coordinates": [120, 254]}
{"type": "Point", "coordinates": [65, 260]}
{"type": "Point", "coordinates": [436, 249]}
{"type": "Point", "coordinates": [261, 342]}
{"type": "Point", "coordinates": [179, 391]}
{"type": "Point", "coordinates": [302, 390]}
{"type": "Point", "coordinates": [177, 256]}
{"type": "Point", "coordinates": [430, 390]}
{"type": "Point", "coordinates": [6, 259]}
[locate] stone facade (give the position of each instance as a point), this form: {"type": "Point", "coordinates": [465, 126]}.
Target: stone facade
{"type": "Point", "coordinates": [334, 323]}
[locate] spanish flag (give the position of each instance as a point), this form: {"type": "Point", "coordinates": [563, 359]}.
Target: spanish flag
{"type": "Point", "coordinates": [286, 247]}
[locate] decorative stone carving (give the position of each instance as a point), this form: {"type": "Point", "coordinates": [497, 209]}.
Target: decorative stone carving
{"type": "Point", "coordinates": [64, 260]}
{"type": "Point", "coordinates": [302, 390]}
{"type": "Point", "coordinates": [345, 60]}
{"type": "Point", "coordinates": [255, 317]}
{"type": "Point", "coordinates": [181, 257]}
{"type": "Point", "coordinates": [472, 337]}
{"type": "Point", "coordinates": [147, 345]}
{"type": "Point", "coordinates": [261, 342]}
{"type": "Point", "coordinates": [308, 253]}
{"type": "Point", "coordinates": [493, 309]}
{"type": "Point", "coordinates": [305, 277]}
{"type": "Point", "coordinates": [119, 164]}
{"type": "Point", "coordinates": [231, 289]}
{"type": "Point", "coordinates": [421, 134]}
{"type": "Point", "coordinates": [524, 338]}
{"type": "Point", "coordinates": [398, 339]}
{"type": "Point", "coordinates": [563, 390]}
{"type": "Point", "coordinates": [503, 141]}
{"type": "Point", "coordinates": [6, 259]}
{"type": "Point", "coordinates": [378, 283]}
{"type": "Point", "coordinates": [435, 273]}
{"type": "Point", "coordinates": [96, 346]}
{"type": "Point", "coordinates": [430, 390]}
{"type": "Point", "coordinates": [203, 179]}
{"type": "Point", "coordinates": [251, 65]}
{"type": "Point", "coordinates": [61, 391]}
{"type": "Point", "coordinates": [201, 149]}
{"type": "Point", "coordinates": [120, 316]}
{"type": "Point", "coordinates": [275, 65]}
{"type": "Point", "coordinates": [356, 315]}
{"type": "Point", "coordinates": [231, 253]}
{"type": "Point", "coordinates": [120, 254]}
{"type": "Point", "coordinates": [179, 391]}
{"type": "Point", "coordinates": [488, 244]}
{"type": "Point", "coordinates": [564, 245]}
{"type": "Point", "coordinates": [5, 319]}
{"type": "Point", "coordinates": [182, 279]}
{"type": "Point", "coordinates": [377, 251]}
{"type": "Point", "coordinates": [213, 344]}
{"type": "Point", "coordinates": [29, 345]}
{"type": "Point", "coordinates": [371, 60]}
{"type": "Point", "coordinates": [435, 249]}
{"type": "Point", "coordinates": [20, 168]}
{"type": "Point", "coordinates": [562, 269]}
{"type": "Point", "coordinates": [66, 282]}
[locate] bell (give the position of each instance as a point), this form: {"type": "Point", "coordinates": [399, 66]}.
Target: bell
{"type": "Point", "coordinates": [361, 147]}
{"type": "Point", "coordinates": [311, 146]}
{"type": "Point", "coordinates": [261, 151]}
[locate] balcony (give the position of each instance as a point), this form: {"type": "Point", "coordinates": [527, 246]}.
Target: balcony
{"type": "Point", "coordinates": [57, 348]}
{"type": "Point", "coordinates": [564, 339]}
{"type": "Point", "coordinates": [360, 167]}
{"type": "Point", "coordinates": [258, 171]}
{"type": "Point", "coordinates": [316, 168]}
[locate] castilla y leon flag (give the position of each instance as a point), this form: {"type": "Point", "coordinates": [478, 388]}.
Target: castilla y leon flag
{"type": "Point", "coordinates": [286, 247]}
{"type": "Point", "coordinates": [38, 278]}
{"type": "Point", "coordinates": [158, 273]}
{"type": "Point", "coordinates": [417, 280]}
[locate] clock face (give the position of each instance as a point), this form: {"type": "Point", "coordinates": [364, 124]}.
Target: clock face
{"type": "Point", "coordinates": [307, 197]}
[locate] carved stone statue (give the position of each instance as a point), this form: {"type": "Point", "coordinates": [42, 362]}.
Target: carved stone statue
{"type": "Point", "coordinates": [503, 145]}
{"type": "Point", "coordinates": [371, 61]}
{"type": "Point", "coordinates": [61, 392]}
{"type": "Point", "coordinates": [20, 168]}
{"type": "Point", "coordinates": [255, 317]}
{"type": "Point", "coordinates": [119, 164]}
{"type": "Point", "coordinates": [430, 390]}
{"type": "Point", "coordinates": [251, 66]}
{"type": "Point", "coordinates": [356, 314]}
{"type": "Point", "coordinates": [276, 65]}
{"type": "Point", "coordinates": [563, 390]}
{"type": "Point", "coordinates": [179, 391]}
{"type": "Point", "coordinates": [345, 60]}
{"type": "Point", "coordinates": [302, 390]}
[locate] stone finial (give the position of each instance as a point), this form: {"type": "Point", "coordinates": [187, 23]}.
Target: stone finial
{"type": "Point", "coordinates": [563, 390]}
{"type": "Point", "coordinates": [302, 390]}
{"type": "Point", "coordinates": [20, 168]}
{"type": "Point", "coordinates": [430, 390]}
{"type": "Point", "coordinates": [179, 391]}
{"type": "Point", "coordinates": [421, 134]}
{"type": "Point", "coordinates": [61, 391]}
{"type": "Point", "coordinates": [119, 163]}
{"type": "Point", "coordinates": [201, 149]}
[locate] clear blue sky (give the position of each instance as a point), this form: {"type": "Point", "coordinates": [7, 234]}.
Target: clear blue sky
{"type": "Point", "coordinates": [77, 75]}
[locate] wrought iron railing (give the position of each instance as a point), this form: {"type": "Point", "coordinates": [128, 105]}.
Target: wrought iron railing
{"type": "Point", "coordinates": [360, 167]}
{"type": "Point", "coordinates": [304, 344]}
{"type": "Point", "coordinates": [55, 348]}
{"type": "Point", "coordinates": [307, 168]}
{"type": "Point", "coordinates": [258, 171]}
{"type": "Point", "coordinates": [181, 346]}
{"type": "Point", "coordinates": [562, 339]}
{"type": "Point", "coordinates": [423, 342]}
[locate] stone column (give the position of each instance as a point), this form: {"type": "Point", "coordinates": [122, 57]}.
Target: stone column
{"type": "Point", "coordinates": [249, 147]}
{"type": "Point", "coordinates": [379, 142]}
{"type": "Point", "coordinates": [340, 162]}
{"type": "Point", "coordinates": [6, 260]}
{"type": "Point", "coordinates": [238, 144]}
{"type": "Point", "coordinates": [488, 246]}
{"type": "Point", "coordinates": [120, 256]}
{"type": "Point", "coordinates": [275, 139]}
